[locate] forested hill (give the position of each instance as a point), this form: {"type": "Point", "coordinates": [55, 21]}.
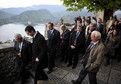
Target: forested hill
{"type": "Point", "coordinates": [4, 15]}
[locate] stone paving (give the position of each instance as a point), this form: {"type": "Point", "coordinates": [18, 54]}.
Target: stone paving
{"type": "Point", "coordinates": [63, 75]}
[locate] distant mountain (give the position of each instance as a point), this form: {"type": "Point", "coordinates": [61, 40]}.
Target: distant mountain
{"type": "Point", "coordinates": [41, 15]}
{"type": "Point", "coordinates": [51, 8]}
{"type": "Point", "coordinates": [4, 15]}
{"type": "Point", "coordinates": [34, 16]}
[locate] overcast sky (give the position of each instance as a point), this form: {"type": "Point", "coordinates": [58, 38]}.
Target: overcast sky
{"type": "Point", "coordinates": [25, 3]}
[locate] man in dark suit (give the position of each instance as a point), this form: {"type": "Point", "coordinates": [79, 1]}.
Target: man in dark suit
{"type": "Point", "coordinates": [39, 54]}
{"type": "Point", "coordinates": [87, 23]}
{"type": "Point", "coordinates": [76, 43]}
{"type": "Point", "coordinates": [53, 43]}
{"type": "Point", "coordinates": [83, 23]}
{"type": "Point", "coordinates": [22, 50]}
{"type": "Point", "coordinates": [64, 43]}
{"type": "Point", "coordinates": [99, 26]}
{"type": "Point", "coordinates": [88, 40]}
{"type": "Point", "coordinates": [93, 58]}
{"type": "Point", "coordinates": [75, 26]}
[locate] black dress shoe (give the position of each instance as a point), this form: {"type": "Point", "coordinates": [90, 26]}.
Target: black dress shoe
{"type": "Point", "coordinates": [48, 72]}
{"type": "Point", "coordinates": [69, 65]}
{"type": "Point", "coordinates": [73, 67]}
{"type": "Point", "coordinates": [75, 82]}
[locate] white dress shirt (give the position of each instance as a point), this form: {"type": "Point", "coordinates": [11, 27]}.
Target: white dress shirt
{"type": "Point", "coordinates": [20, 46]}
{"type": "Point", "coordinates": [35, 34]}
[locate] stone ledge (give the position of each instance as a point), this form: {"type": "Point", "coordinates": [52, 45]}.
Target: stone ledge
{"type": "Point", "coordinates": [6, 47]}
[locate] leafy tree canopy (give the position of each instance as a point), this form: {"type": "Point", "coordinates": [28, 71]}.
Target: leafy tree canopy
{"type": "Point", "coordinates": [92, 5]}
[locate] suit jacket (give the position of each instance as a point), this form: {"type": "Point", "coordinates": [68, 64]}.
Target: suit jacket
{"type": "Point", "coordinates": [53, 41]}
{"type": "Point", "coordinates": [39, 49]}
{"type": "Point", "coordinates": [83, 26]}
{"type": "Point", "coordinates": [66, 37]}
{"type": "Point", "coordinates": [79, 42]}
{"type": "Point", "coordinates": [111, 43]}
{"type": "Point", "coordinates": [88, 40]}
{"type": "Point", "coordinates": [26, 54]}
{"type": "Point", "coordinates": [120, 26]}
{"type": "Point", "coordinates": [96, 57]}
{"type": "Point", "coordinates": [73, 29]}
{"type": "Point", "coordinates": [100, 28]}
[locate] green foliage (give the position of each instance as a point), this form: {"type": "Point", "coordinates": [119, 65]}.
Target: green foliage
{"type": "Point", "coordinates": [8, 41]}
{"type": "Point", "coordinates": [92, 5]}
{"type": "Point", "coordinates": [1, 42]}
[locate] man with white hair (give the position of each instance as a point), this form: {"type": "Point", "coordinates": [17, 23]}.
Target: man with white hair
{"type": "Point", "coordinates": [22, 50]}
{"type": "Point", "coordinates": [93, 58]}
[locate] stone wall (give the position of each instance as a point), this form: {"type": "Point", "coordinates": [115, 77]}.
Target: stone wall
{"type": "Point", "coordinates": [100, 14]}
{"type": "Point", "coordinates": [8, 64]}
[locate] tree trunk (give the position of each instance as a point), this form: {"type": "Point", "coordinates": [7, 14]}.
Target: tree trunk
{"type": "Point", "coordinates": [107, 14]}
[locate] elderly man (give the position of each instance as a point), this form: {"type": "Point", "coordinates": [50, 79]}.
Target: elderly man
{"type": "Point", "coordinates": [92, 59]}
{"type": "Point", "coordinates": [64, 43]}
{"type": "Point", "coordinates": [22, 50]}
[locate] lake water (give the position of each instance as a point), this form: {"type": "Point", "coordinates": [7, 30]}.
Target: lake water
{"type": "Point", "coordinates": [8, 31]}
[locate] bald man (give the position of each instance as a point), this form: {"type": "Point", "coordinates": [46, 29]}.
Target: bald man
{"type": "Point", "coordinates": [92, 59]}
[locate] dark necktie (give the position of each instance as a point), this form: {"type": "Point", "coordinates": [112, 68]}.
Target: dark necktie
{"type": "Point", "coordinates": [87, 54]}
{"type": "Point", "coordinates": [33, 39]}
{"type": "Point", "coordinates": [63, 37]}
{"type": "Point", "coordinates": [92, 45]}
{"type": "Point", "coordinates": [77, 34]}
{"type": "Point", "coordinates": [49, 34]}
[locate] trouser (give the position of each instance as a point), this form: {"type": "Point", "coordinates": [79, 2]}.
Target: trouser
{"type": "Point", "coordinates": [91, 75]}
{"type": "Point", "coordinates": [51, 59]}
{"type": "Point", "coordinates": [73, 57]}
{"type": "Point", "coordinates": [64, 52]}
{"type": "Point", "coordinates": [119, 53]}
{"type": "Point", "coordinates": [108, 57]}
{"type": "Point", "coordinates": [39, 74]}
{"type": "Point", "coordinates": [24, 74]}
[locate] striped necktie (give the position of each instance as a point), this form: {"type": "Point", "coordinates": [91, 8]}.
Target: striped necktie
{"type": "Point", "coordinates": [86, 32]}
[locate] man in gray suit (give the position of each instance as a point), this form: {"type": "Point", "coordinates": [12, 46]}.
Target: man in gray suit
{"type": "Point", "coordinates": [92, 59]}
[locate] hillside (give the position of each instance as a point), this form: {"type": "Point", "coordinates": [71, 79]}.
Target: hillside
{"type": "Point", "coordinates": [4, 15]}
{"type": "Point", "coordinates": [44, 16]}
{"type": "Point", "coordinates": [41, 15]}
